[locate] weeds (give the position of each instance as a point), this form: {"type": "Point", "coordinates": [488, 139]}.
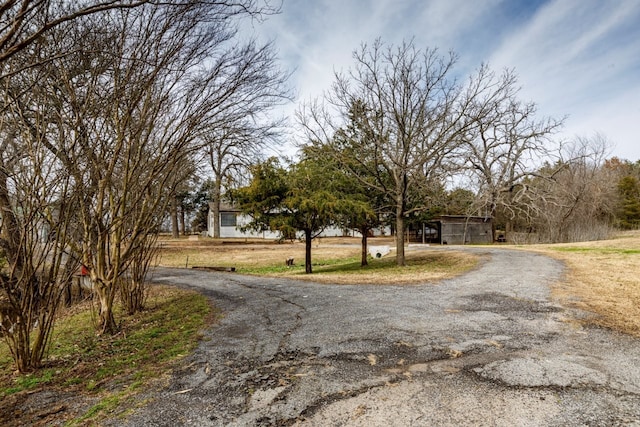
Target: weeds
{"type": "Point", "coordinates": [147, 344]}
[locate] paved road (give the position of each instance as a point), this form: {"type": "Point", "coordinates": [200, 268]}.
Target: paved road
{"type": "Point", "coordinates": [488, 348]}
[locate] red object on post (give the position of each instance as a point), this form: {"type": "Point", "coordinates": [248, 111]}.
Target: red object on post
{"type": "Point", "coordinates": [84, 271]}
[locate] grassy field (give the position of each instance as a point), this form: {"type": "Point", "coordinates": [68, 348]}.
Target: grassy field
{"type": "Point", "coordinates": [335, 260]}
{"type": "Point", "coordinates": [603, 278]}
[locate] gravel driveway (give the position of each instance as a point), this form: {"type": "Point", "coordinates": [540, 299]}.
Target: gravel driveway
{"type": "Point", "coordinates": [488, 348]}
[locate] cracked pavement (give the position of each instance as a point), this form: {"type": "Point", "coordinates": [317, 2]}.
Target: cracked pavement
{"type": "Point", "coordinates": [487, 348]}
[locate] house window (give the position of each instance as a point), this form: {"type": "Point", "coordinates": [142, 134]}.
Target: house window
{"type": "Point", "coordinates": [228, 219]}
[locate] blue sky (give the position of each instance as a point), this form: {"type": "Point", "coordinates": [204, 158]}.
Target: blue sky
{"type": "Point", "coordinates": [574, 58]}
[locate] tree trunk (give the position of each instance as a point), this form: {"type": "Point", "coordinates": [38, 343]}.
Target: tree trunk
{"type": "Point", "coordinates": [181, 219]}
{"type": "Point", "coordinates": [508, 230]}
{"type": "Point", "coordinates": [216, 161]}
{"type": "Point", "coordinates": [215, 211]}
{"type": "Point", "coordinates": [22, 352]}
{"type": "Point", "coordinates": [307, 252]}
{"type": "Point", "coordinates": [400, 260]}
{"type": "Point", "coordinates": [107, 322]}
{"type": "Point", "coordinates": [10, 234]}
{"type": "Point", "coordinates": [492, 214]}
{"type": "Point", "coordinates": [175, 232]}
{"type": "Point", "coordinates": [363, 259]}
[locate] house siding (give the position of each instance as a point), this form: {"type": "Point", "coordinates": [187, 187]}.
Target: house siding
{"type": "Point", "coordinates": [242, 220]}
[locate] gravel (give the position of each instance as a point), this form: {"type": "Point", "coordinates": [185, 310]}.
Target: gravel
{"type": "Point", "coordinates": [488, 348]}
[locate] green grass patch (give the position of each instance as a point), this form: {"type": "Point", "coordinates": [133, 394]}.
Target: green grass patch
{"type": "Point", "coordinates": [106, 405]}
{"type": "Point", "coordinates": [419, 268]}
{"type": "Point", "coordinates": [434, 262]}
{"type": "Point", "coordinates": [114, 367]}
{"type": "Point", "coordinates": [29, 381]}
{"type": "Point", "coordinates": [344, 264]}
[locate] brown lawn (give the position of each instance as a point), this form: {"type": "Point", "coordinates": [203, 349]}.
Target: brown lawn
{"type": "Point", "coordinates": [335, 260]}
{"type": "Point", "coordinates": [603, 278]}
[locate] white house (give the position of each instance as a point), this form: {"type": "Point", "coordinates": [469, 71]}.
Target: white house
{"type": "Point", "coordinates": [232, 220]}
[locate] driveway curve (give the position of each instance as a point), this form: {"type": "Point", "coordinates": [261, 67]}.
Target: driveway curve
{"type": "Point", "coordinates": [487, 348]}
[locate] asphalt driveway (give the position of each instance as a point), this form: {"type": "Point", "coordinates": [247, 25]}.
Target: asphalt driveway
{"type": "Point", "coordinates": [488, 348]}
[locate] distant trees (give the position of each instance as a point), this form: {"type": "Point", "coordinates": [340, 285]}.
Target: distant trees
{"type": "Point", "coordinates": [629, 211]}
{"type": "Point", "coordinates": [572, 199]}
{"type": "Point", "coordinates": [263, 198]}
{"type": "Point", "coordinates": [245, 130]}
{"type": "Point", "coordinates": [200, 200]}
{"type": "Point", "coordinates": [459, 201]}
{"type": "Point", "coordinates": [627, 174]}
{"type": "Point", "coordinates": [181, 204]}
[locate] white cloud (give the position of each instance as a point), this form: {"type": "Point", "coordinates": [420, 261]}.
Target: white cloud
{"type": "Point", "coordinates": [618, 119]}
{"type": "Point", "coordinates": [441, 23]}
{"type": "Point", "coordinates": [579, 58]}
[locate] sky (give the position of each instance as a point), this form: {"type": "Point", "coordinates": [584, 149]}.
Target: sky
{"type": "Point", "coordinates": [577, 59]}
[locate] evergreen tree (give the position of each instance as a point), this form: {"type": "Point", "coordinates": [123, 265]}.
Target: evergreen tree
{"type": "Point", "coordinates": [629, 212]}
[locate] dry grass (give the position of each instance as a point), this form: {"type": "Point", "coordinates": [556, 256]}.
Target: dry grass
{"type": "Point", "coordinates": [244, 255]}
{"type": "Point", "coordinates": [603, 278]}
{"type": "Point", "coordinates": [335, 260]}
{"type": "Point", "coordinates": [421, 267]}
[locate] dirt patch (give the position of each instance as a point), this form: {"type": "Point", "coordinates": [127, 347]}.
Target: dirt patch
{"type": "Point", "coordinates": [244, 255]}
{"type": "Point", "coordinates": [44, 407]}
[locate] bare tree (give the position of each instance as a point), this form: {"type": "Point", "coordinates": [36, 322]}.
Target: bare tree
{"type": "Point", "coordinates": [37, 202]}
{"type": "Point", "coordinates": [25, 22]}
{"type": "Point", "coordinates": [506, 145]}
{"type": "Point", "coordinates": [626, 174]}
{"type": "Point", "coordinates": [180, 195]}
{"type": "Point", "coordinates": [571, 199]}
{"type": "Point", "coordinates": [238, 141]}
{"type": "Point", "coordinates": [132, 286]}
{"type": "Point", "coordinates": [23, 26]}
{"type": "Point", "coordinates": [411, 115]}
{"type": "Point", "coordinates": [97, 114]}
{"type": "Point", "coordinates": [133, 102]}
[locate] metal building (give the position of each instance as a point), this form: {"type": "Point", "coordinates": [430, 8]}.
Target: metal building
{"type": "Point", "coordinates": [455, 230]}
